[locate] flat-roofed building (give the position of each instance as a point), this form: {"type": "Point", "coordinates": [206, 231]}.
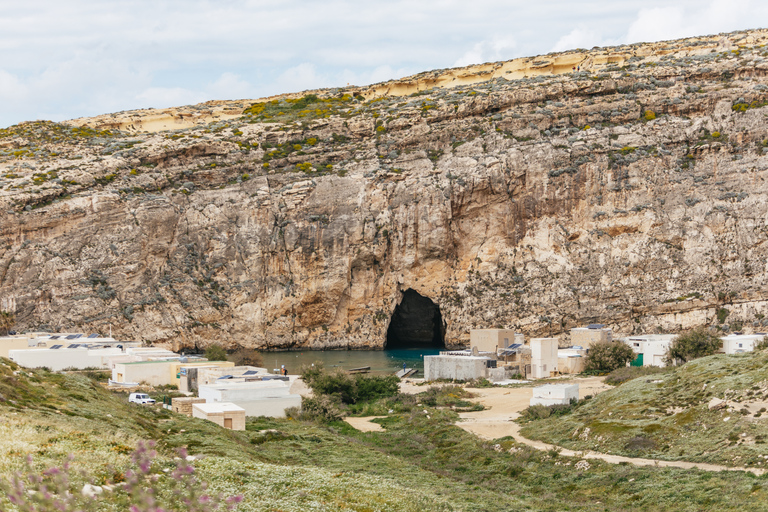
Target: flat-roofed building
{"type": "Point", "coordinates": [490, 340]}
{"type": "Point", "coordinates": [224, 414]}
{"type": "Point", "coordinates": [543, 357]}
{"type": "Point", "coordinates": [258, 398]}
{"type": "Point", "coordinates": [650, 349]}
{"type": "Point", "coordinates": [586, 336]}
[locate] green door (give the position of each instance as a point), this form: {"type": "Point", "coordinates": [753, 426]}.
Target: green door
{"type": "Point", "coordinates": [638, 361]}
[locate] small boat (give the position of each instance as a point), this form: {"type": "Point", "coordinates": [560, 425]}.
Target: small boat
{"type": "Point", "coordinates": [123, 384]}
{"type": "Point", "coordinates": [362, 369]}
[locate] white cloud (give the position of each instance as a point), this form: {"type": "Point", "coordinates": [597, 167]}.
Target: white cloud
{"type": "Point", "coordinates": [490, 50]}
{"type": "Point", "coordinates": [580, 38]}
{"type": "Point", "coordinates": [159, 97]}
{"type": "Point", "coordinates": [80, 57]}
{"type": "Point", "coordinates": [230, 85]}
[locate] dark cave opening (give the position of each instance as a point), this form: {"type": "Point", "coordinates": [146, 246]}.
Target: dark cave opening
{"type": "Point", "coordinates": [416, 323]}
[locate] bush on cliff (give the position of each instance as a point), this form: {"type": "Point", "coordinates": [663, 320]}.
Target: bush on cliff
{"type": "Point", "coordinates": [693, 344]}
{"type": "Point", "coordinates": [606, 356]}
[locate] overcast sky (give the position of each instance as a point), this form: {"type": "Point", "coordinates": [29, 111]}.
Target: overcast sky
{"type": "Point", "coordinates": [65, 59]}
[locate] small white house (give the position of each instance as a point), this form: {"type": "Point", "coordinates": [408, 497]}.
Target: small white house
{"type": "Point", "coordinates": [552, 394]}
{"type": "Point", "coordinates": [224, 414]}
{"type": "Point", "coordinates": [258, 398]}
{"type": "Point", "coordinates": [543, 357]}
{"type": "Point", "coordinates": [651, 349]}
{"type": "Point", "coordinates": [739, 343]}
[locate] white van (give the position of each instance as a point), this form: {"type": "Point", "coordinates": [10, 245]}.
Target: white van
{"type": "Point", "coordinates": [140, 398]}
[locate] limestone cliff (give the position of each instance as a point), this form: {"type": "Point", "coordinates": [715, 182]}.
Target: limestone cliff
{"type": "Point", "coordinates": [530, 194]}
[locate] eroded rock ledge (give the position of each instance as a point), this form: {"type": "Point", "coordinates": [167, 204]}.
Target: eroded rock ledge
{"type": "Point", "coordinates": [524, 194]}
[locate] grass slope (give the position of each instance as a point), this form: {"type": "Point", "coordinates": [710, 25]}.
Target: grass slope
{"type": "Point", "coordinates": [421, 462]}
{"type": "Point", "coordinates": [666, 416]}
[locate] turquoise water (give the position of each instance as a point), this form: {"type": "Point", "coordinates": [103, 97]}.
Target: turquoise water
{"type": "Point", "coordinates": [382, 362]}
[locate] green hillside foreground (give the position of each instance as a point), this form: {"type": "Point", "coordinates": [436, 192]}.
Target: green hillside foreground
{"type": "Point", "coordinates": [421, 462]}
{"type": "Point", "coordinates": [667, 416]}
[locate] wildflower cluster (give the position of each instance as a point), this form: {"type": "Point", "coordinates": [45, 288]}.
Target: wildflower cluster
{"type": "Point", "coordinates": [146, 488]}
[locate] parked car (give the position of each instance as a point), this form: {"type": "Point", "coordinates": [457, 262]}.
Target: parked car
{"type": "Point", "coordinates": [140, 398]}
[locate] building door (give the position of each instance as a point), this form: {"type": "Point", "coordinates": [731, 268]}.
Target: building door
{"type": "Point", "coordinates": [228, 423]}
{"type": "Point", "coordinates": [638, 361]}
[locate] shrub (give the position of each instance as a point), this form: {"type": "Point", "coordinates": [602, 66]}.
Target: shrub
{"type": "Point", "coordinates": [762, 345]}
{"type": "Point", "coordinates": [349, 389]}
{"type": "Point", "coordinates": [722, 314]}
{"type": "Point", "coordinates": [693, 344]}
{"type": "Point", "coordinates": [323, 408]}
{"type": "Point", "coordinates": [606, 356]}
{"type": "Point", "coordinates": [650, 115]}
{"type": "Point", "coordinates": [215, 352]}
{"type": "Point", "coordinates": [541, 412]}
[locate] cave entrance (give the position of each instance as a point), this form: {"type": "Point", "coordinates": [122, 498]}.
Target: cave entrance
{"type": "Point", "coordinates": [416, 323]}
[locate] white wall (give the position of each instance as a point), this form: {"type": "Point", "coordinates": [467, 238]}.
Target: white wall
{"type": "Point", "coordinates": [543, 357]}
{"type": "Point", "coordinates": [738, 343]}
{"type": "Point", "coordinates": [454, 367]}
{"type": "Point", "coordinates": [59, 359]}
{"type": "Point", "coordinates": [552, 394]}
{"type": "Point", "coordinates": [154, 373]}
{"type": "Point", "coordinates": [260, 398]}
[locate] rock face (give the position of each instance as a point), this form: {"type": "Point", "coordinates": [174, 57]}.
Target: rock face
{"type": "Point", "coordinates": [525, 194]}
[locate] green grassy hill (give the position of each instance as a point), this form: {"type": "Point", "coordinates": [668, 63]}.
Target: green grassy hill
{"type": "Point", "coordinates": [668, 416]}
{"type": "Point", "coordinates": [421, 462]}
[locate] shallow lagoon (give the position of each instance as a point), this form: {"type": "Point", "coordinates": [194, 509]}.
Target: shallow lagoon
{"type": "Point", "coordinates": [382, 362]}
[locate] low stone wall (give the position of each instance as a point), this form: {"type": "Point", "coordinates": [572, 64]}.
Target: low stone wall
{"type": "Point", "coordinates": [183, 405]}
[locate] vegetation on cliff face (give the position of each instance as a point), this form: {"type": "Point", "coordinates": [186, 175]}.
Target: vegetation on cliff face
{"type": "Point", "coordinates": [711, 409]}
{"type": "Point", "coordinates": [420, 462]}
{"type": "Point", "coordinates": [526, 195]}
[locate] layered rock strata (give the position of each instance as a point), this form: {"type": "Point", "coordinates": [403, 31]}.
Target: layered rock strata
{"type": "Point", "coordinates": [524, 194]}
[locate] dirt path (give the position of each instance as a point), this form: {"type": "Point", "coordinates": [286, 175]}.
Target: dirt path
{"type": "Point", "coordinates": [503, 406]}
{"type": "Point", "coordinates": [365, 423]}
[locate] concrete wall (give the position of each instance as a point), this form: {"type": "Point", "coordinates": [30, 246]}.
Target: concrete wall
{"type": "Point", "coordinates": [543, 357]}
{"type": "Point", "coordinates": [154, 373]}
{"type": "Point", "coordinates": [454, 367]}
{"type": "Point", "coordinates": [552, 394]}
{"type": "Point", "coordinates": [183, 404]}
{"type": "Point", "coordinates": [59, 359]}
{"type": "Point", "coordinates": [488, 340]}
{"type": "Point", "coordinates": [583, 337]}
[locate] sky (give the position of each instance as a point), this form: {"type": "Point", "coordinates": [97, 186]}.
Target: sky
{"type": "Point", "coordinates": [62, 60]}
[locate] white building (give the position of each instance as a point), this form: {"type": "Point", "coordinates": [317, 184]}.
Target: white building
{"type": "Point", "coordinates": [552, 394]}
{"type": "Point", "coordinates": [259, 398]}
{"type": "Point", "coordinates": [651, 349]}
{"type": "Point", "coordinates": [543, 357]}
{"type": "Point", "coordinates": [224, 414]}
{"type": "Point", "coordinates": [739, 343]}
{"type": "Point", "coordinates": [459, 365]}
{"type": "Point", "coordinates": [63, 357]}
